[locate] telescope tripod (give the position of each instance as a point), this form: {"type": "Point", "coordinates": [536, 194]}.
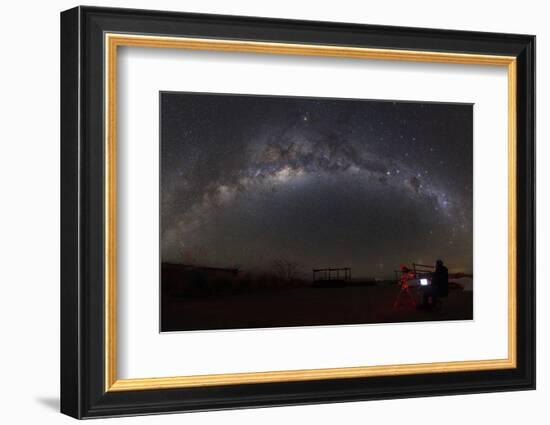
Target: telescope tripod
{"type": "Point", "coordinates": [404, 291]}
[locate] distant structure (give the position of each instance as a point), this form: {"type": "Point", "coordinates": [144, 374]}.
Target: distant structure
{"type": "Point", "coordinates": [332, 276]}
{"type": "Point", "coordinates": [180, 279]}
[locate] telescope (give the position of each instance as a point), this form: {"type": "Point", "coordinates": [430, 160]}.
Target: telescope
{"type": "Point", "coordinates": [422, 275]}
{"type": "Point", "coordinates": [419, 276]}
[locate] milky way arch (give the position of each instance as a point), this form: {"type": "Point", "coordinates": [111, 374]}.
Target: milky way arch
{"type": "Point", "coordinates": [217, 183]}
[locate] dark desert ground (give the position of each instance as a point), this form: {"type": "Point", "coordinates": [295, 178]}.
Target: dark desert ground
{"type": "Point", "coordinates": [361, 303]}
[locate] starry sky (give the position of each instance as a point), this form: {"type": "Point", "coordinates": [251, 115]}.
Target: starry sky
{"type": "Point", "coordinates": [247, 180]}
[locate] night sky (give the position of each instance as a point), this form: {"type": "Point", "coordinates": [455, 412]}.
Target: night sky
{"type": "Point", "coordinates": [247, 180]}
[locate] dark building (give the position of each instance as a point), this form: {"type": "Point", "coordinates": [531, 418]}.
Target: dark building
{"type": "Point", "coordinates": [182, 279]}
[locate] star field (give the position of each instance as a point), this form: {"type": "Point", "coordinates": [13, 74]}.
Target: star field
{"type": "Point", "coordinates": [364, 184]}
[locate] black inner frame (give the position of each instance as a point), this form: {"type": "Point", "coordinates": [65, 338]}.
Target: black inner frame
{"type": "Point", "coordinates": [82, 212]}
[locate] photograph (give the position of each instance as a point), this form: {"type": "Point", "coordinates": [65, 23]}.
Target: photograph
{"type": "Point", "coordinates": [284, 211]}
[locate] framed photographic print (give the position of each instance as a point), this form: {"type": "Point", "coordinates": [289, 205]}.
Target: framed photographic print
{"type": "Point", "coordinates": [261, 212]}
